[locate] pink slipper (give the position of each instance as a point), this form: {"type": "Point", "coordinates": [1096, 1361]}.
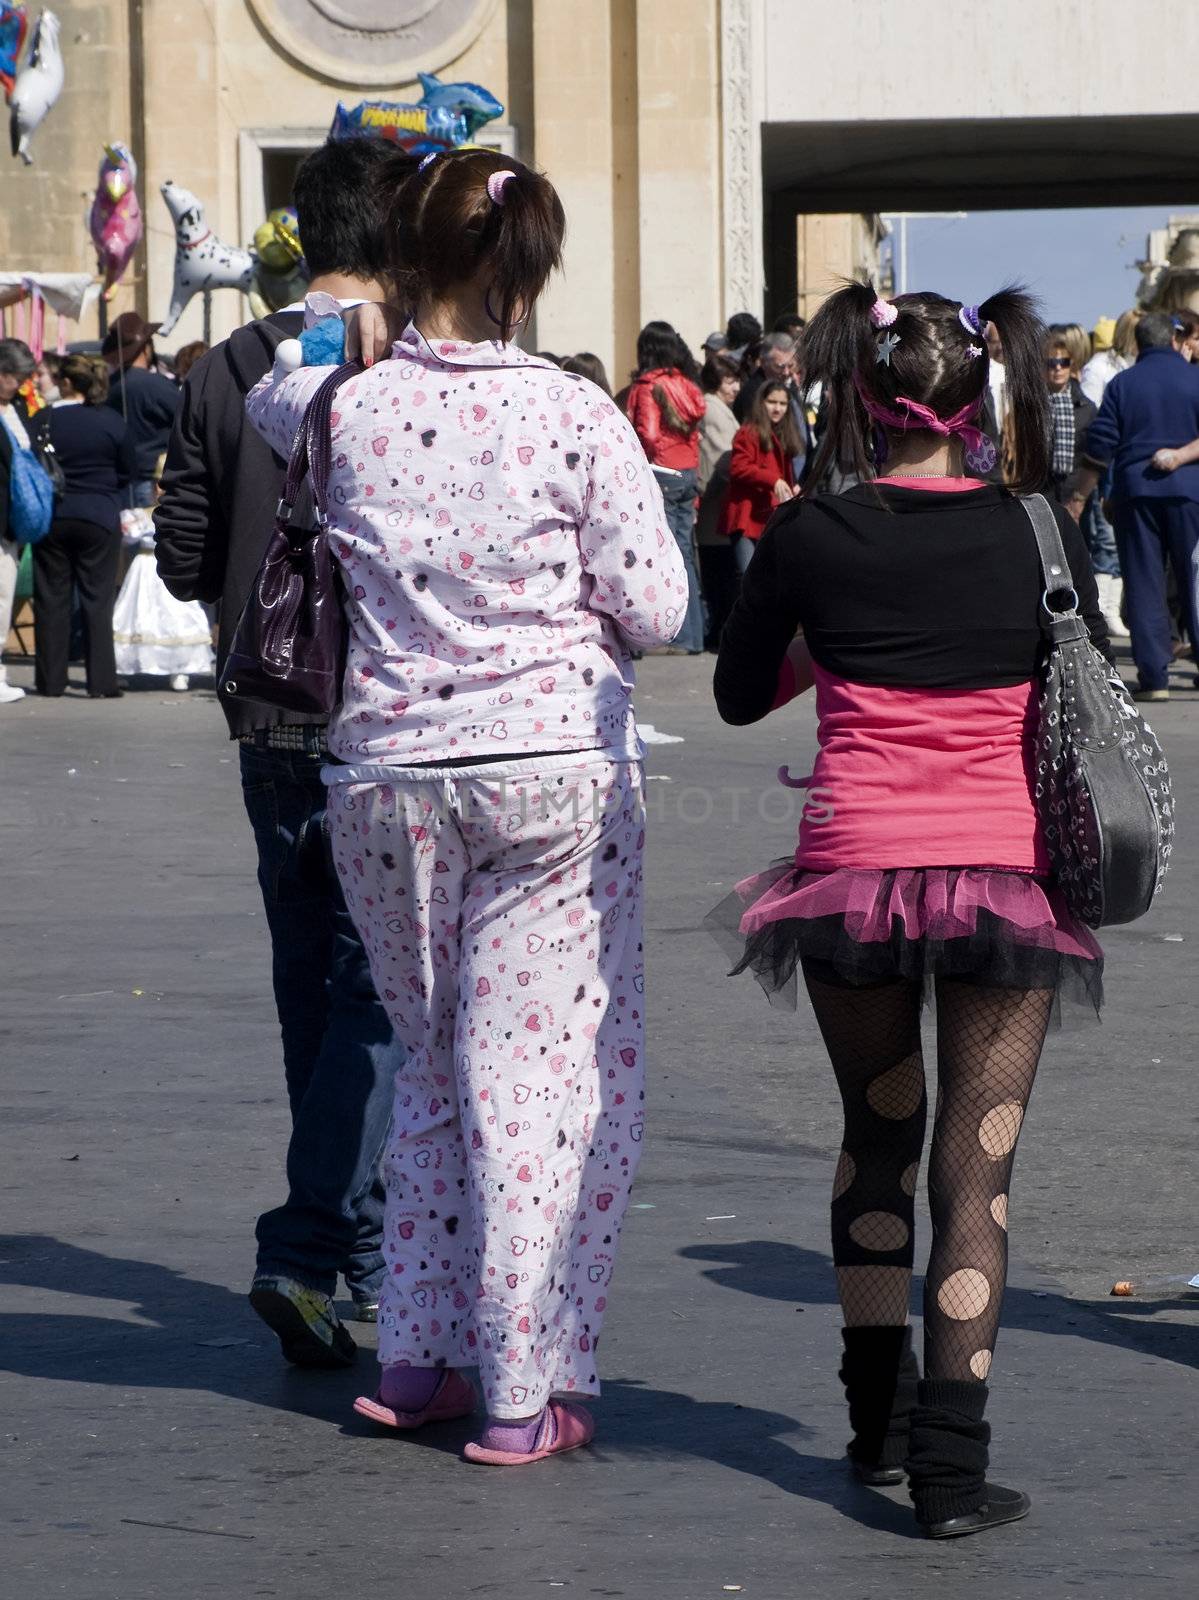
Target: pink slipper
{"type": "Point", "coordinates": [453, 1397]}
{"type": "Point", "coordinates": [564, 1427]}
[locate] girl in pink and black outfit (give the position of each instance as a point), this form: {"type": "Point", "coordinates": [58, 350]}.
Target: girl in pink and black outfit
{"type": "Point", "coordinates": [504, 547]}
{"type": "Point", "coordinates": [921, 863]}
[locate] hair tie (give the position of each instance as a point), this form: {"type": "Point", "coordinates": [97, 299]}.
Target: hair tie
{"type": "Point", "coordinates": [496, 184]}
{"type": "Point", "coordinates": [969, 318]}
{"type": "Point", "coordinates": [883, 313]}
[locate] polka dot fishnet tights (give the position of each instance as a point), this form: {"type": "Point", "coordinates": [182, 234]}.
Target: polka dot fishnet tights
{"type": "Point", "coordinates": [988, 1045]}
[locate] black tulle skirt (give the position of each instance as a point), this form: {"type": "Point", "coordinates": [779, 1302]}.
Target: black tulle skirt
{"type": "Point", "coordinates": [860, 926]}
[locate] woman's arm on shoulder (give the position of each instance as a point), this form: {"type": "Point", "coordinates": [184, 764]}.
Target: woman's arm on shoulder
{"type": "Point", "coordinates": [751, 677]}
{"type": "Point", "coordinates": [625, 542]}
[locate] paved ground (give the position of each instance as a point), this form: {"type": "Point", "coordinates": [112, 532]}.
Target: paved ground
{"type": "Point", "coordinates": [153, 1444]}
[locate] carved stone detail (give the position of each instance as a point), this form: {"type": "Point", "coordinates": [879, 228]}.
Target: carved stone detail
{"type": "Point", "coordinates": [368, 43]}
{"type": "Point", "coordinates": [741, 92]}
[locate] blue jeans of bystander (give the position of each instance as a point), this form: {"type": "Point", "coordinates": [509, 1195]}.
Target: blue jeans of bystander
{"type": "Point", "coordinates": [339, 1054]}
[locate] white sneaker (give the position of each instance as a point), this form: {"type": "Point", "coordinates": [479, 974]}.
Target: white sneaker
{"type": "Point", "coordinates": [179, 683]}
{"type": "Point", "coordinates": [9, 692]}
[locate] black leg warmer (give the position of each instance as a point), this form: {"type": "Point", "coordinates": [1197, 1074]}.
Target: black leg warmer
{"type": "Point", "coordinates": [947, 1451]}
{"type": "Point", "coordinates": [880, 1374]}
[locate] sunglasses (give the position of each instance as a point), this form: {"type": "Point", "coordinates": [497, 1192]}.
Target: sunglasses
{"type": "Point", "coordinates": [1056, 363]}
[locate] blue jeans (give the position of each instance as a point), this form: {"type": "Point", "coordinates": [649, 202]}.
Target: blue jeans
{"type": "Point", "coordinates": [1100, 537]}
{"type": "Point", "coordinates": [339, 1054]}
{"type": "Point", "coordinates": [678, 492]}
{"type": "Point", "coordinates": [1151, 533]}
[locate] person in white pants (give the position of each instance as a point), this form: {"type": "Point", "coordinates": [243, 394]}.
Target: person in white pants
{"type": "Point", "coordinates": [504, 548]}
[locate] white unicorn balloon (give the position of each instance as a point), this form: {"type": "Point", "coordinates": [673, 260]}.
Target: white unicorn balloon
{"type": "Point", "coordinates": [38, 85]}
{"type": "Point", "coordinates": [201, 260]}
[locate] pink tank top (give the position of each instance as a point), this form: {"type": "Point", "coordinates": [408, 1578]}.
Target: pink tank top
{"type": "Point", "coordinates": [922, 778]}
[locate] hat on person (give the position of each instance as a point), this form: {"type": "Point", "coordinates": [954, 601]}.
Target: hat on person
{"type": "Point", "coordinates": [716, 341]}
{"type": "Point", "coordinates": [127, 338]}
{"type": "Point", "coordinates": [1104, 333]}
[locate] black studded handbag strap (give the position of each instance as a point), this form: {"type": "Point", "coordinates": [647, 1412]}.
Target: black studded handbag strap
{"type": "Point", "coordinates": [1059, 622]}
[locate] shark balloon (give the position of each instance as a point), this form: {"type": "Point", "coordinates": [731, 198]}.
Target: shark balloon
{"type": "Point", "coordinates": [38, 85]}
{"type": "Point", "coordinates": [115, 223]}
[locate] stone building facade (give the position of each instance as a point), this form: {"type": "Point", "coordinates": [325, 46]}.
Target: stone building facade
{"type": "Point", "coordinates": [645, 113]}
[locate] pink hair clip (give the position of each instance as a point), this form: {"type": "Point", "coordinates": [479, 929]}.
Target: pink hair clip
{"type": "Point", "coordinates": [496, 184]}
{"type": "Point", "coordinates": [973, 351]}
{"type": "Point", "coordinates": [883, 313]}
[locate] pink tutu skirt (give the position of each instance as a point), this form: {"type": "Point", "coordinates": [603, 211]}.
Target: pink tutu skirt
{"type": "Point", "coordinates": [859, 925]}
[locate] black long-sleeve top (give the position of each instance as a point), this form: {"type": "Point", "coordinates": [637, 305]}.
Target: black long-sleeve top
{"type": "Point", "coordinates": [96, 456]}
{"type": "Point", "coordinates": [906, 588]}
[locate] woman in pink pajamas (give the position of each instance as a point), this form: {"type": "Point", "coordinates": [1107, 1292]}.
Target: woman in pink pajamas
{"type": "Point", "coordinates": [504, 544]}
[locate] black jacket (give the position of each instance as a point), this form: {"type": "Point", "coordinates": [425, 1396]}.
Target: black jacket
{"type": "Point", "coordinates": [220, 489]}
{"type": "Point", "coordinates": [1059, 486]}
{"type": "Point", "coordinates": [96, 457]}
{"type": "Point", "coordinates": [148, 402]}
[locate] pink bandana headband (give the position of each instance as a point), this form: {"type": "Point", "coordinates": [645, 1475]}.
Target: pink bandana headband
{"type": "Point", "coordinates": [979, 451]}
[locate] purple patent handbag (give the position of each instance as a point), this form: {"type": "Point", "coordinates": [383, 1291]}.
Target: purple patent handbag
{"type": "Point", "coordinates": [289, 646]}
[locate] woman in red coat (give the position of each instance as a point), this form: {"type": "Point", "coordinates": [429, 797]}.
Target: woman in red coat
{"type": "Point", "coordinates": [666, 406]}
{"type": "Point", "coordinates": [761, 473]}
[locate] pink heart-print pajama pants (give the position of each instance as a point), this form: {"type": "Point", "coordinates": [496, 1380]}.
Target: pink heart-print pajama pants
{"type": "Point", "coordinates": [500, 906]}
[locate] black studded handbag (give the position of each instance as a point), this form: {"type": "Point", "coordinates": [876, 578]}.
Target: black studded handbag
{"type": "Point", "coordinates": [1102, 789]}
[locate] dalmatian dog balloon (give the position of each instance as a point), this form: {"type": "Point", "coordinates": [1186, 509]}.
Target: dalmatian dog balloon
{"type": "Point", "coordinates": [201, 260]}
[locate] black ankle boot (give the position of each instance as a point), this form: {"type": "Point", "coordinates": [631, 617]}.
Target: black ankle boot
{"type": "Point", "coordinates": [879, 1372]}
{"type": "Point", "coordinates": [947, 1463]}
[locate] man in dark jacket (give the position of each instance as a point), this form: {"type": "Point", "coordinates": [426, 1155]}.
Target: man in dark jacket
{"type": "Point", "coordinates": [1151, 407]}
{"type": "Point", "coordinates": [220, 490]}
{"type": "Point", "coordinates": [145, 398]}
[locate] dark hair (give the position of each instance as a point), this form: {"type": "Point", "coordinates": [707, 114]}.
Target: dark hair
{"type": "Point", "coordinates": [336, 197]}
{"type": "Point", "coordinates": [186, 357]}
{"type": "Point", "coordinates": [548, 355]}
{"type": "Point", "coordinates": [658, 346]}
{"type": "Point", "coordinates": [743, 329]}
{"type": "Point", "coordinates": [1155, 331]}
{"type": "Point", "coordinates": [88, 376]}
{"type": "Point", "coordinates": [790, 322]}
{"type": "Point", "coordinates": [587, 365]}
{"type": "Point", "coordinates": [443, 227]}
{"type": "Point", "coordinates": [1186, 322]}
{"type": "Point", "coordinates": [751, 358]}
{"type": "Point", "coordinates": [715, 370]}
{"type": "Point", "coordinates": [931, 364]}
{"type": "Point", "coordinates": [16, 358]}
{"type": "Point", "coordinates": [784, 433]}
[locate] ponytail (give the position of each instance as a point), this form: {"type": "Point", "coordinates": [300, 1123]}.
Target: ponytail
{"type": "Point", "coordinates": [1022, 333]}
{"type": "Point", "coordinates": [836, 344]}
{"type": "Point", "coordinates": [926, 349]}
{"type": "Point", "coordinates": [463, 212]}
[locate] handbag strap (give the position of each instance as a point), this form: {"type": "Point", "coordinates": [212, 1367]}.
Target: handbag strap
{"type": "Point", "coordinates": [1060, 624]}
{"type": "Point", "coordinates": [312, 451]}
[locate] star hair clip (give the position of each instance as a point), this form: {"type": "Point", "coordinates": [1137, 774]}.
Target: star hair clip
{"type": "Point", "coordinates": [886, 348]}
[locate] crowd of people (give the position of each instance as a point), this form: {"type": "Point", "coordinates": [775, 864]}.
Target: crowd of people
{"type": "Point", "coordinates": [99, 423]}
{"type": "Point", "coordinates": [734, 437]}
{"type": "Point", "coordinates": [451, 861]}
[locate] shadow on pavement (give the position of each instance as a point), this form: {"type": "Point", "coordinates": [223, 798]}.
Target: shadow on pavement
{"type": "Point", "coordinates": [789, 1272]}
{"type": "Point", "coordinates": [197, 1326]}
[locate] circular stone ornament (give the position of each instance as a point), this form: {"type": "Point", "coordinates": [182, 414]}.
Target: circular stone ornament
{"type": "Point", "coordinates": [371, 43]}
